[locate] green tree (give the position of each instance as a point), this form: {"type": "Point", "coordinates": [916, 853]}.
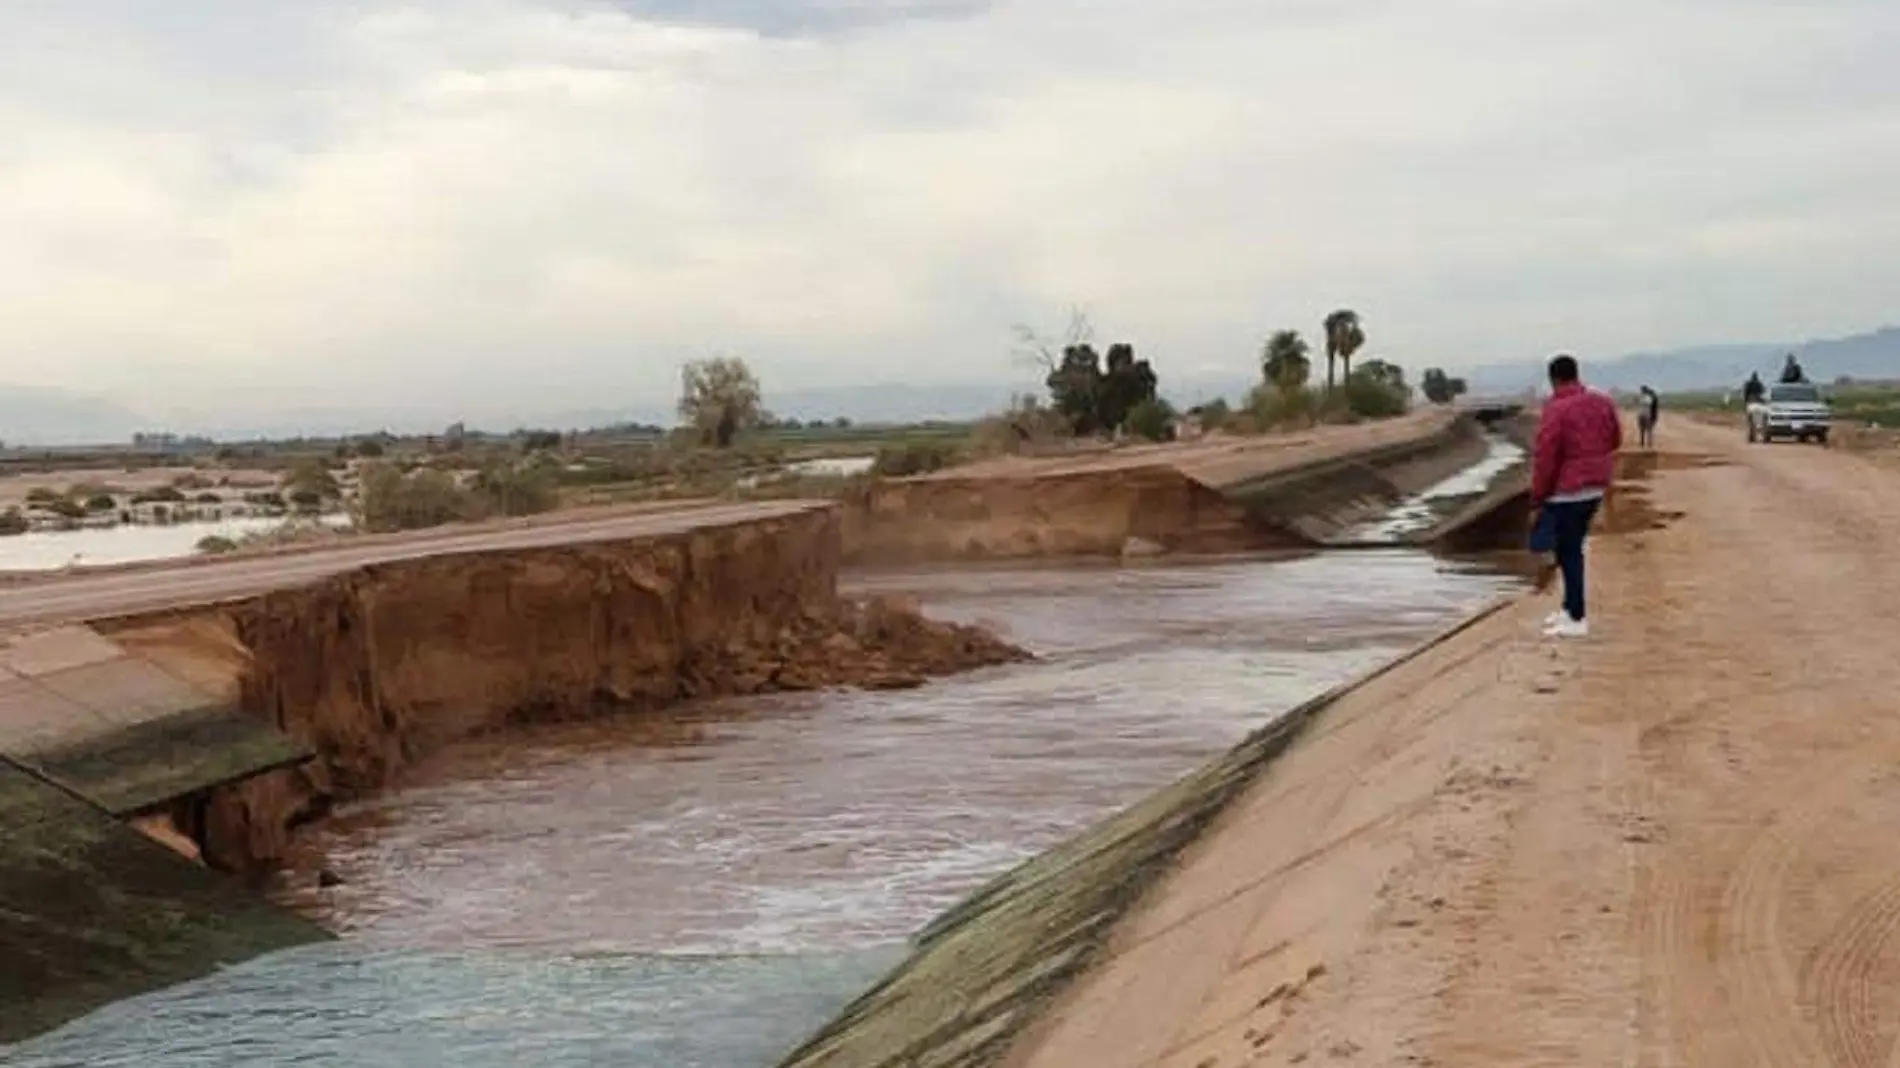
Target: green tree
{"type": "Point", "coordinates": [1344, 336]}
{"type": "Point", "coordinates": [540, 440]}
{"type": "Point", "coordinates": [1097, 399]}
{"type": "Point", "coordinates": [1439, 387]}
{"type": "Point", "coordinates": [1127, 384]}
{"type": "Point", "coordinates": [1390, 374]}
{"type": "Point", "coordinates": [1074, 385]}
{"type": "Point", "coordinates": [1374, 392]}
{"type": "Point", "coordinates": [719, 398]}
{"type": "Point", "coordinates": [1286, 361]}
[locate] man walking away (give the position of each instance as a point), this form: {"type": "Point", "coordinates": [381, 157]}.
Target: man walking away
{"type": "Point", "coordinates": [1648, 410]}
{"type": "Point", "coordinates": [1575, 461]}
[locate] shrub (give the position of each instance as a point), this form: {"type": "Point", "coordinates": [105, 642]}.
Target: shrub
{"type": "Point", "coordinates": [514, 491]}
{"type": "Point", "coordinates": [424, 498]}
{"type": "Point", "coordinates": [1027, 421]}
{"type": "Point", "coordinates": [42, 495]}
{"type": "Point", "coordinates": [1368, 397]}
{"type": "Point", "coordinates": [1271, 409]}
{"type": "Point", "coordinates": [913, 458]}
{"type": "Point", "coordinates": [1153, 419]}
{"type": "Point", "coordinates": [191, 481]}
{"type": "Point", "coordinates": [212, 544]}
{"type": "Point", "coordinates": [161, 495]}
{"type": "Point", "coordinates": [208, 498]}
{"type": "Point", "coordinates": [100, 503]}
{"type": "Point", "coordinates": [66, 508]}
{"type": "Point", "coordinates": [310, 480]}
{"type": "Point", "coordinates": [1216, 414]}
{"type": "Point", "coordinates": [12, 521]}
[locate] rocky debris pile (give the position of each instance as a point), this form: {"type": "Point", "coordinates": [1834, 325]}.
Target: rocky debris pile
{"type": "Point", "coordinates": [882, 643]}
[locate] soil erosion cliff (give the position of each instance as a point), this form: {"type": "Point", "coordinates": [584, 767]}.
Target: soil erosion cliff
{"type": "Point", "coordinates": [378, 667]}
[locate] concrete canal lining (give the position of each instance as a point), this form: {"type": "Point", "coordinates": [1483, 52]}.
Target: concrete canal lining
{"type": "Point", "coordinates": [92, 911]}
{"type": "Point", "coordinates": [987, 968]}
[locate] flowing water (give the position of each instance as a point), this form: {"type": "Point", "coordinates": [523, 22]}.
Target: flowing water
{"type": "Point", "coordinates": [1426, 507]}
{"type": "Point", "coordinates": [704, 888]}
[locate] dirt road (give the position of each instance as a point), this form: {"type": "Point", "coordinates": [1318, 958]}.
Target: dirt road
{"type": "Point", "coordinates": [1216, 461]}
{"type": "Point", "coordinates": [1672, 844]}
{"type": "Point", "coordinates": [80, 596]}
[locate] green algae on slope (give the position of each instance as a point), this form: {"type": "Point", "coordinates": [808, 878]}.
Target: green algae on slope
{"type": "Point", "coordinates": [92, 911]}
{"type": "Point", "coordinates": [989, 966]}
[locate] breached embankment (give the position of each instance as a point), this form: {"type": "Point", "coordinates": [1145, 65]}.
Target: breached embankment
{"type": "Point", "coordinates": [1283, 491]}
{"type": "Point", "coordinates": [378, 667]}
{"type": "Point", "coordinates": [333, 686]}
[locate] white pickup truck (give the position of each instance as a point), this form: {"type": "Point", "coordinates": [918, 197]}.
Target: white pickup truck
{"type": "Point", "coordinates": [1793, 410]}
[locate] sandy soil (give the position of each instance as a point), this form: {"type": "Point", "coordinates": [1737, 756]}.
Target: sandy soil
{"type": "Point", "coordinates": [1671, 844]}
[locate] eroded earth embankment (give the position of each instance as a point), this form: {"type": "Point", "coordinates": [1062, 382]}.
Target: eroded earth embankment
{"type": "Point", "coordinates": [378, 667]}
{"type": "Point", "coordinates": [1218, 495]}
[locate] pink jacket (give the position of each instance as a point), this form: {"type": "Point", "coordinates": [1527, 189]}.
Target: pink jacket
{"type": "Point", "coordinates": [1577, 440]}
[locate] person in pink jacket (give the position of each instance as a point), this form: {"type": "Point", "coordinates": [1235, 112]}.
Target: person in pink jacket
{"type": "Point", "coordinates": [1571, 471]}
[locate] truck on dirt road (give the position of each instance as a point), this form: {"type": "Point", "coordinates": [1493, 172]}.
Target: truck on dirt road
{"type": "Point", "coordinates": [1791, 410]}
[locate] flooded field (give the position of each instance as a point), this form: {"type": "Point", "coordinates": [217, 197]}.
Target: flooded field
{"type": "Point", "coordinates": [704, 888]}
{"type": "Point", "coordinates": [128, 543]}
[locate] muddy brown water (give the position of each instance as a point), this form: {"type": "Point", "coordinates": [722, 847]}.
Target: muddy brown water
{"type": "Point", "coordinates": [704, 888]}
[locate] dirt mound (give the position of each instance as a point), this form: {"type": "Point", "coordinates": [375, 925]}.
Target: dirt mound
{"type": "Point", "coordinates": [1084, 513]}
{"type": "Point", "coordinates": [377, 668]}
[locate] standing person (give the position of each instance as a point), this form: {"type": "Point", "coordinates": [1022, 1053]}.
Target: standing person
{"type": "Point", "coordinates": [1753, 391]}
{"type": "Point", "coordinates": [1648, 410]}
{"type": "Point", "coordinates": [1575, 461]}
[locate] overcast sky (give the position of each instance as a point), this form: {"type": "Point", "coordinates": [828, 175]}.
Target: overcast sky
{"type": "Point", "coordinates": [476, 205]}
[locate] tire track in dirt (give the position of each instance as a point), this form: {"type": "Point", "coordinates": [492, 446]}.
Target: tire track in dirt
{"type": "Point", "coordinates": [1837, 980]}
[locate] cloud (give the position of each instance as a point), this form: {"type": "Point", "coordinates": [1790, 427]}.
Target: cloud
{"type": "Point", "coordinates": [476, 206]}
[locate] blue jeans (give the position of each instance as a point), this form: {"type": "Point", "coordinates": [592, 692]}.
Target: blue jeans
{"type": "Point", "coordinates": [1561, 529]}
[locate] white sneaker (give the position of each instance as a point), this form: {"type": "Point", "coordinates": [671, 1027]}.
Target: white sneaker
{"type": "Point", "coordinates": [1568, 628]}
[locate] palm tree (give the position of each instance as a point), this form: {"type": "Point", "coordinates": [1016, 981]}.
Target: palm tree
{"type": "Point", "coordinates": [1344, 336]}
{"type": "Point", "coordinates": [1285, 362]}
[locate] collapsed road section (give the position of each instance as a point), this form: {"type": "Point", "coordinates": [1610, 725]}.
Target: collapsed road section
{"type": "Point", "coordinates": [1220, 495]}
{"type": "Point", "coordinates": [1312, 489]}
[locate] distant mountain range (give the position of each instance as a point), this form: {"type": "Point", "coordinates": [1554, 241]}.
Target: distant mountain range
{"type": "Point", "coordinates": [1874, 355]}
{"type": "Point", "coordinates": [40, 416]}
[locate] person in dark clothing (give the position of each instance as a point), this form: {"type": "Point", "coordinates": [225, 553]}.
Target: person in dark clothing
{"type": "Point", "coordinates": [1648, 410]}
{"type": "Point", "coordinates": [1753, 392]}
{"type": "Point", "coordinates": [1791, 371]}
